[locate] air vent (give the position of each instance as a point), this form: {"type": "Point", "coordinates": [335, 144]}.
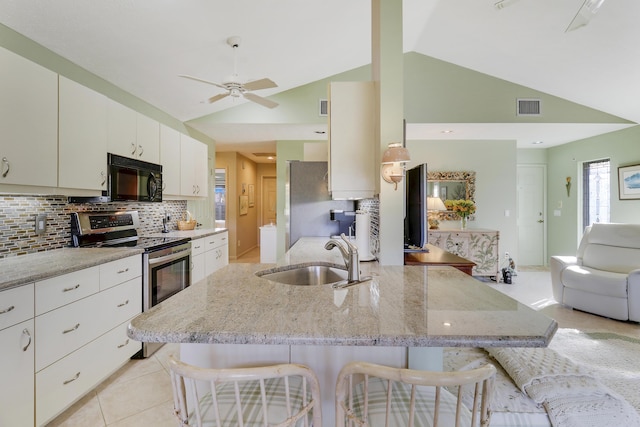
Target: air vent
{"type": "Point", "coordinates": [529, 107]}
{"type": "Point", "coordinates": [323, 107]}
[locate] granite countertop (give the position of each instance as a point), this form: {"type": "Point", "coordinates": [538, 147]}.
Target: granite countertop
{"type": "Point", "coordinates": [412, 306]}
{"type": "Point", "coordinates": [23, 269]}
{"type": "Point", "coordinates": [192, 234]}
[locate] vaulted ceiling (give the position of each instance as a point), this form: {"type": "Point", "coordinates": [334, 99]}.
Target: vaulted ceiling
{"type": "Point", "coordinates": [142, 46]}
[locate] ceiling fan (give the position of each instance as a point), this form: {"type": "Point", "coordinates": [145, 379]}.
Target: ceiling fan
{"type": "Point", "coordinates": [234, 87]}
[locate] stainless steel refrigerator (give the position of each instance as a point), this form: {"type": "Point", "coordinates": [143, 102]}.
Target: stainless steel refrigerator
{"type": "Point", "coordinates": [308, 204]}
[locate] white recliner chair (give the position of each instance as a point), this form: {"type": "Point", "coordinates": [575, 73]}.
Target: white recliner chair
{"type": "Point", "coordinates": [604, 276]}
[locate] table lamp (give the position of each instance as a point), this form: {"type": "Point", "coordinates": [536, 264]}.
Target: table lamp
{"type": "Point", "coordinates": [434, 204]}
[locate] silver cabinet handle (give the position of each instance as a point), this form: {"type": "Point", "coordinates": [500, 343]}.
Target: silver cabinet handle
{"type": "Point", "coordinates": [72, 379]}
{"type": "Point", "coordinates": [25, 331]}
{"type": "Point", "coordinates": [8, 309]}
{"type": "Point", "coordinates": [104, 178]}
{"type": "Point", "coordinates": [133, 148]}
{"type": "Point", "coordinates": [5, 161]}
{"type": "Point", "coordinates": [125, 344]}
{"type": "Point", "coordinates": [66, 331]}
{"type": "Point", "coordinates": [198, 187]}
{"type": "Point", "coordinates": [141, 151]}
{"type": "Point", "coordinates": [194, 189]}
{"type": "Point", "coordinates": [123, 271]}
{"type": "Point", "coordinates": [71, 289]}
{"type": "Point", "coordinates": [122, 304]}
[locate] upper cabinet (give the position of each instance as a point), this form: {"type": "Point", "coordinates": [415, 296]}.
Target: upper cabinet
{"type": "Point", "coordinates": [83, 137]}
{"type": "Point", "coordinates": [131, 134]}
{"type": "Point", "coordinates": [352, 168]}
{"type": "Point", "coordinates": [28, 122]}
{"type": "Point", "coordinates": [193, 167]}
{"type": "Point", "coordinates": [170, 160]}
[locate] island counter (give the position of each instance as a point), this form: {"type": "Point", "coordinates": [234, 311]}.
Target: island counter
{"type": "Point", "coordinates": [405, 306]}
{"type": "Point", "coordinates": [401, 318]}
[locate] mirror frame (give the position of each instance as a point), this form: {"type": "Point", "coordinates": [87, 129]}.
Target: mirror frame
{"type": "Point", "coordinates": [468, 177]}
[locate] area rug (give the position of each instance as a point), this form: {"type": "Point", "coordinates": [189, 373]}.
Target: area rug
{"type": "Point", "coordinates": [613, 359]}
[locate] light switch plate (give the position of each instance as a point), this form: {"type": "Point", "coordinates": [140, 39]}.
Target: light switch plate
{"type": "Point", "coordinates": [41, 223]}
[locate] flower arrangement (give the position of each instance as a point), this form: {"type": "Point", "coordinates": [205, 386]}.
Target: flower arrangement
{"type": "Point", "coordinates": [464, 208]}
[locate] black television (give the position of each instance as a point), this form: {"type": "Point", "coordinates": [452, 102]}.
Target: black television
{"type": "Point", "coordinates": [415, 222]}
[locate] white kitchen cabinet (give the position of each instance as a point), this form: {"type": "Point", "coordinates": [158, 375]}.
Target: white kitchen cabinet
{"type": "Point", "coordinates": [28, 122]}
{"type": "Point", "coordinates": [193, 167]}
{"type": "Point", "coordinates": [216, 252]}
{"type": "Point", "coordinates": [352, 143]}
{"type": "Point", "coordinates": [17, 343]}
{"type": "Point", "coordinates": [197, 260]}
{"type": "Point", "coordinates": [170, 160]}
{"type": "Point", "coordinates": [82, 338]}
{"type": "Point", "coordinates": [477, 245]}
{"type": "Point", "coordinates": [131, 134]}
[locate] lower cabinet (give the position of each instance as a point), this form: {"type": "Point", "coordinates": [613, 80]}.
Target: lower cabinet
{"type": "Point", "coordinates": [16, 393]}
{"type": "Point", "coordinates": [209, 254]}
{"type": "Point", "coordinates": [477, 245]}
{"type": "Point", "coordinates": [81, 327]}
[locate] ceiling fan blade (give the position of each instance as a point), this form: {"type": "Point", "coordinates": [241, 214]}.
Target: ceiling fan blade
{"type": "Point", "coordinates": [217, 97]}
{"type": "Point", "coordinates": [202, 80]}
{"type": "Point", "coordinates": [260, 84]}
{"type": "Point", "coordinates": [260, 100]}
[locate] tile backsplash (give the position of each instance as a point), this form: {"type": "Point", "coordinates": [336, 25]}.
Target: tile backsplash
{"type": "Point", "coordinates": [18, 216]}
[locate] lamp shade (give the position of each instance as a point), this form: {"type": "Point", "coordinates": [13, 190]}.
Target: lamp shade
{"type": "Point", "coordinates": [396, 153]}
{"type": "Point", "coordinates": [435, 204]}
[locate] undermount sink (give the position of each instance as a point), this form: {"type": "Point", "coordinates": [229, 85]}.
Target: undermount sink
{"type": "Point", "coordinates": [305, 275]}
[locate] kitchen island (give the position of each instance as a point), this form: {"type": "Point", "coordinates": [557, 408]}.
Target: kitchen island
{"type": "Point", "coordinates": [390, 319]}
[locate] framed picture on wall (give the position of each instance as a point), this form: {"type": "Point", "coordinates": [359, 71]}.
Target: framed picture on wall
{"type": "Point", "coordinates": [244, 205]}
{"type": "Point", "coordinates": [629, 182]}
{"type": "Point", "coordinates": [252, 195]}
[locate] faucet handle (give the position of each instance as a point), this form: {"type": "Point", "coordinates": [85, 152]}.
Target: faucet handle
{"type": "Point", "coordinates": [352, 248]}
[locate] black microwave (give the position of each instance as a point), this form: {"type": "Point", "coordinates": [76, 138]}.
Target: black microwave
{"type": "Point", "coordinates": [133, 180]}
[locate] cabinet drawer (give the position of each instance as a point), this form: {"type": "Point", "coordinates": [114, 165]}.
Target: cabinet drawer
{"type": "Point", "coordinates": [63, 330]}
{"type": "Point", "coordinates": [119, 271]}
{"type": "Point", "coordinates": [197, 246]}
{"type": "Point", "coordinates": [16, 305]}
{"type": "Point", "coordinates": [58, 291]}
{"type": "Point", "coordinates": [216, 240]}
{"type": "Point", "coordinates": [119, 304]}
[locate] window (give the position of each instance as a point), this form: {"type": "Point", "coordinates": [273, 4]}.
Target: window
{"type": "Point", "coordinates": [221, 195]}
{"type": "Point", "coordinates": [596, 194]}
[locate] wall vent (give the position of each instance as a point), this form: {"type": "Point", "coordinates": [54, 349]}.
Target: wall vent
{"type": "Point", "coordinates": [529, 107]}
{"type": "Point", "coordinates": [323, 107]}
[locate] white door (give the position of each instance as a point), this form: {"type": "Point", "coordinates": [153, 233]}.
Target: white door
{"type": "Point", "coordinates": [531, 215]}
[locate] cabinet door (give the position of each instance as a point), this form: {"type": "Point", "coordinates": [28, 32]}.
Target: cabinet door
{"type": "Point", "coordinates": [197, 268]}
{"type": "Point", "coordinates": [147, 139]}
{"type": "Point", "coordinates": [170, 160]}
{"type": "Point", "coordinates": [83, 137]}
{"type": "Point", "coordinates": [16, 371]}
{"type": "Point", "coordinates": [121, 130]}
{"type": "Point", "coordinates": [193, 167]}
{"type": "Point", "coordinates": [352, 168]}
{"type": "Point", "coordinates": [29, 122]}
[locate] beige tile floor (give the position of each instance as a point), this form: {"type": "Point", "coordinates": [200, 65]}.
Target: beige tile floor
{"type": "Point", "coordinates": [139, 394]}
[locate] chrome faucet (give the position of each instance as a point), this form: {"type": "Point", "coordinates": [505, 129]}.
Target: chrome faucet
{"type": "Point", "coordinates": [350, 254]}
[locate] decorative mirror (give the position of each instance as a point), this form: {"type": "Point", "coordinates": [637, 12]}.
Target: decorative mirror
{"type": "Point", "coordinates": [450, 186]}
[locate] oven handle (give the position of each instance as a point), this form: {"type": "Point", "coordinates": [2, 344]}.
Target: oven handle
{"type": "Point", "coordinates": [171, 257]}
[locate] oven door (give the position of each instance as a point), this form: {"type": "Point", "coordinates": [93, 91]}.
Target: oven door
{"type": "Point", "coordinates": [167, 272]}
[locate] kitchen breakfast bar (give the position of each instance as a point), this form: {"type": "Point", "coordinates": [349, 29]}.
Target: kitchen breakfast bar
{"type": "Point", "coordinates": [402, 317]}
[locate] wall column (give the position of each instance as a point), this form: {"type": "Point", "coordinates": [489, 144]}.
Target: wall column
{"type": "Point", "coordinates": [387, 73]}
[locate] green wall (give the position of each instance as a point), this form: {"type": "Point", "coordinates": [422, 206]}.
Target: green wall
{"type": "Point", "coordinates": [494, 163]}
{"type": "Point", "coordinates": [622, 148]}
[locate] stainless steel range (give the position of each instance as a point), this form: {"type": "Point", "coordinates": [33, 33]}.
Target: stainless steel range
{"type": "Point", "coordinates": [166, 267]}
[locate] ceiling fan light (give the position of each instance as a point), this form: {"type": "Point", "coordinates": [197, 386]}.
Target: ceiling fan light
{"type": "Point", "coordinates": [585, 14]}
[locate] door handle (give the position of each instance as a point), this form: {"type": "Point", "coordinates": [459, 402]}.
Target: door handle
{"type": "Point", "coordinates": [540, 221]}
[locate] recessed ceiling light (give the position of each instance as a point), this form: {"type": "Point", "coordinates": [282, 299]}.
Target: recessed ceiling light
{"type": "Point", "coordinates": [537, 142]}
{"type": "Point", "coordinates": [447, 131]}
